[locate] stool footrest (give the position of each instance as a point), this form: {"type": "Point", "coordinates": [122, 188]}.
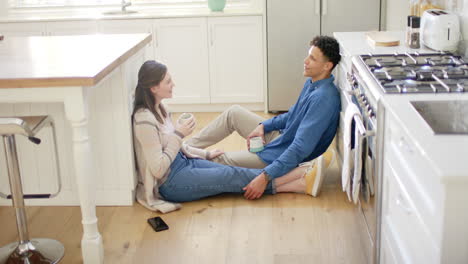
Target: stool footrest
{"type": "Point", "coordinates": [33, 196]}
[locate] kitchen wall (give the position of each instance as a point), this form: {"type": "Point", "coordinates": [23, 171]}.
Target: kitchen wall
{"type": "Point", "coordinates": [398, 10]}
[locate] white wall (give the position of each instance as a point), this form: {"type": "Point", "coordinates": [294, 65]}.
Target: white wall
{"type": "Point", "coordinates": [398, 10]}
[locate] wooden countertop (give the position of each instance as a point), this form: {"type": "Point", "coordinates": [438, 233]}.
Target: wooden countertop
{"type": "Point", "coordinates": [51, 61]}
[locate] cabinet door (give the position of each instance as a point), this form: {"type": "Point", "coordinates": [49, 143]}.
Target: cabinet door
{"type": "Point", "coordinates": [67, 28]}
{"type": "Point", "coordinates": [236, 59]}
{"type": "Point", "coordinates": [181, 44]}
{"type": "Point", "coordinates": [387, 252]}
{"type": "Point", "coordinates": [22, 29]}
{"type": "Point", "coordinates": [343, 16]}
{"type": "Point", "coordinates": [129, 27]}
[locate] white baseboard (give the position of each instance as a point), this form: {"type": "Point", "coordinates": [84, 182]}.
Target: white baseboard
{"type": "Point", "coordinates": [70, 198]}
{"type": "Point", "coordinates": [213, 107]}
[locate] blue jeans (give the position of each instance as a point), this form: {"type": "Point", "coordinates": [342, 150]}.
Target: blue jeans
{"type": "Point", "coordinates": [193, 179]}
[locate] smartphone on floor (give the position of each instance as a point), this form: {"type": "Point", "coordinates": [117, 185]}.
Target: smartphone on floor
{"type": "Point", "coordinates": [157, 224]}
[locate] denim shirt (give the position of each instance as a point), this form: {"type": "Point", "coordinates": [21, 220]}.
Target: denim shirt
{"type": "Point", "coordinates": [307, 129]}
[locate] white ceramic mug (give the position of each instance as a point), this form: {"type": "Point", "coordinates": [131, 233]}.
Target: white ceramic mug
{"type": "Point", "coordinates": [256, 144]}
{"type": "Point", "coordinates": [184, 117]}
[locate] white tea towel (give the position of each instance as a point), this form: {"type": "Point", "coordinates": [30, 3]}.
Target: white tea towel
{"type": "Point", "coordinates": [351, 167]}
{"type": "Point", "coordinates": [370, 176]}
{"type": "Point", "coordinates": [350, 112]}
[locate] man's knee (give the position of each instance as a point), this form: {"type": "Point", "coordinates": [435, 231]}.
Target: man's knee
{"type": "Point", "coordinates": [235, 108]}
{"type": "Point", "coordinates": [236, 111]}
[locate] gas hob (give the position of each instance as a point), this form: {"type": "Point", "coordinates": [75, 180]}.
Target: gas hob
{"type": "Point", "coordinates": [418, 73]}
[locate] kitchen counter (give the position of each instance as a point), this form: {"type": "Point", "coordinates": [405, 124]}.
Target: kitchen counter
{"type": "Point", "coordinates": [64, 60]}
{"type": "Point", "coordinates": [86, 84]}
{"type": "Point", "coordinates": [142, 13]}
{"type": "Point", "coordinates": [355, 43]}
{"type": "Point", "coordinates": [446, 153]}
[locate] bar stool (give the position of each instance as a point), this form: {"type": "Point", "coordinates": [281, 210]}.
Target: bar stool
{"type": "Point", "coordinates": [36, 250]}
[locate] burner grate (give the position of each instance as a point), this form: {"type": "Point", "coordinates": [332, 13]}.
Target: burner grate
{"type": "Point", "coordinates": [419, 73]}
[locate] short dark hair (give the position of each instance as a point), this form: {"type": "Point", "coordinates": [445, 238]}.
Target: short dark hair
{"type": "Point", "coordinates": [329, 47]}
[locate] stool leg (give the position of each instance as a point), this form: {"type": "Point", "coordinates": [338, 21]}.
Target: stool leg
{"type": "Point", "coordinates": [16, 187]}
{"type": "Point", "coordinates": [40, 250]}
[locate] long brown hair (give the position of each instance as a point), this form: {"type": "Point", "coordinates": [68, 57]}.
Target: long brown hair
{"type": "Point", "coordinates": [151, 73]}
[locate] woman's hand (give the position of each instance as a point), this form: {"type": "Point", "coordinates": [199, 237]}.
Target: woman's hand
{"type": "Point", "coordinates": [187, 127]}
{"type": "Point", "coordinates": [214, 153]}
{"type": "Point", "coordinates": [257, 132]}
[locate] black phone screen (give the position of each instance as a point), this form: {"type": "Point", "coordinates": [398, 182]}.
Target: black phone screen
{"type": "Point", "coordinates": [157, 224]}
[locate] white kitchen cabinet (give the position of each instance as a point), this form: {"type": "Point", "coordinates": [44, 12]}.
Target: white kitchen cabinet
{"type": "Point", "coordinates": [67, 28]}
{"type": "Point", "coordinates": [236, 59]}
{"type": "Point", "coordinates": [404, 229]}
{"type": "Point", "coordinates": [129, 27]}
{"type": "Point", "coordinates": [49, 28]}
{"type": "Point", "coordinates": [182, 44]}
{"type": "Point", "coordinates": [214, 60]}
{"type": "Point", "coordinates": [409, 215]}
{"type": "Point", "coordinates": [387, 252]}
{"type": "Point", "coordinates": [423, 215]}
{"type": "Point", "coordinates": [22, 29]}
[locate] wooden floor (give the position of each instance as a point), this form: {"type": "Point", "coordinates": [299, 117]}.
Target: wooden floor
{"type": "Point", "coordinates": [284, 228]}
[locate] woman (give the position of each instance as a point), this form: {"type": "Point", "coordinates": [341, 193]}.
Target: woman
{"type": "Point", "coordinates": [170, 170]}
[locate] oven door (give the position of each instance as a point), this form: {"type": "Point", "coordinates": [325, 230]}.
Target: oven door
{"type": "Point", "coordinates": [367, 197]}
{"type": "Point", "coordinates": [366, 209]}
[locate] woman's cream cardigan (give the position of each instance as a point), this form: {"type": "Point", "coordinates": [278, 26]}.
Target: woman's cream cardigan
{"type": "Point", "coordinates": [156, 146]}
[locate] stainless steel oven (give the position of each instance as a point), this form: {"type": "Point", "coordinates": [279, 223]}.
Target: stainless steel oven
{"type": "Point", "coordinates": [364, 144]}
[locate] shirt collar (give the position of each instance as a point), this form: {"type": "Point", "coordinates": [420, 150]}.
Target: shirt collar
{"type": "Point", "coordinates": [319, 83]}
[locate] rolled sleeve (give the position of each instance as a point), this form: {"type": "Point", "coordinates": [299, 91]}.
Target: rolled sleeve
{"type": "Point", "coordinates": [275, 123]}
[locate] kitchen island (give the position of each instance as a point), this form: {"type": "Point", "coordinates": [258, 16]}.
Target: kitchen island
{"type": "Point", "coordinates": [86, 84]}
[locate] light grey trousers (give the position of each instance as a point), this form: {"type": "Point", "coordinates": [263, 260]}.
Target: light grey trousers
{"type": "Point", "coordinates": [241, 120]}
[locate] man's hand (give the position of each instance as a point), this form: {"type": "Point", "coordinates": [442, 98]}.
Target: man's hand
{"type": "Point", "coordinates": [256, 187]}
{"type": "Point", "coordinates": [257, 132]}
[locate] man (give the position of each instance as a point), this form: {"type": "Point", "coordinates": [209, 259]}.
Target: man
{"type": "Point", "coordinates": [301, 134]}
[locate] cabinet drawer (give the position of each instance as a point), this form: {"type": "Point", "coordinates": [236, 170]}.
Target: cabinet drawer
{"type": "Point", "coordinates": [414, 241]}
{"type": "Point", "coordinates": [417, 176]}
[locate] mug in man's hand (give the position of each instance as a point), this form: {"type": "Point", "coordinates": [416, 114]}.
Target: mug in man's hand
{"type": "Point", "coordinates": [184, 117]}
{"type": "Point", "coordinates": [256, 144]}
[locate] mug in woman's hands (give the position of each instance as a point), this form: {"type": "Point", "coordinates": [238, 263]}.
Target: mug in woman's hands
{"type": "Point", "coordinates": [184, 117]}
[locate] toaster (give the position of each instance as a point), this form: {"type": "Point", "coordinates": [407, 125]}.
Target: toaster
{"type": "Point", "coordinates": [440, 30]}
